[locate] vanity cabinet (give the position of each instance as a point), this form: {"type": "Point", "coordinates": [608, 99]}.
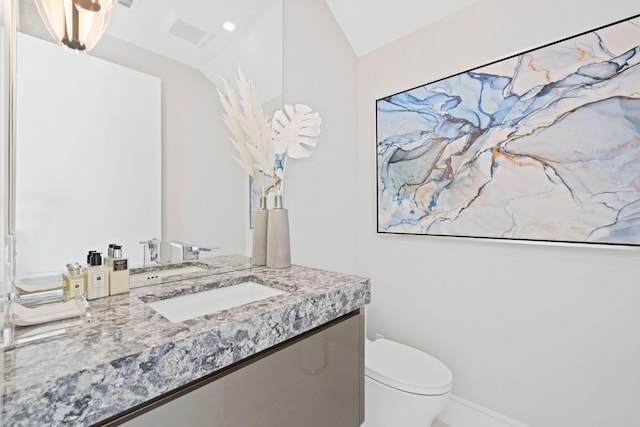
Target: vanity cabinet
{"type": "Point", "coordinates": [313, 380]}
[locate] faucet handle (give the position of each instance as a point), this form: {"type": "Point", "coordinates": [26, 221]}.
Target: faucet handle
{"type": "Point", "coordinates": [152, 242]}
{"type": "Point", "coordinates": [153, 246]}
{"type": "Point", "coordinates": [202, 248]}
{"type": "Point", "coordinates": [191, 252]}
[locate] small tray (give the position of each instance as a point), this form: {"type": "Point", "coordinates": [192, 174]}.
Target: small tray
{"type": "Point", "coordinates": [48, 320]}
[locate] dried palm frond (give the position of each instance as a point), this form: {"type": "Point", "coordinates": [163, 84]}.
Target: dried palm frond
{"type": "Point", "coordinates": [294, 130]}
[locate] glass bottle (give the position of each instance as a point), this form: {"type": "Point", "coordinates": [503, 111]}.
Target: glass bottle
{"type": "Point", "coordinates": [97, 277]}
{"type": "Point", "coordinates": [74, 280]}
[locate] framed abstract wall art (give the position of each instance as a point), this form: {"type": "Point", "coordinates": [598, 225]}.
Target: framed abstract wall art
{"type": "Point", "coordinates": [541, 146]}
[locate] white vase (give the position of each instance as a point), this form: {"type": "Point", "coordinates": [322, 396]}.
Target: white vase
{"type": "Point", "coordinates": [259, 244]}
{"type": "Point", "coordinates": [278, 244]}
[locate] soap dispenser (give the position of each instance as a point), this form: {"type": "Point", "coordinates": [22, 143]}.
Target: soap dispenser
{"type": "Point", "coordinates": [118, 270]}
{"type": "Point", "coordinates": [74, 281]}
{"type": "Point", "coordinates": [97, 277]}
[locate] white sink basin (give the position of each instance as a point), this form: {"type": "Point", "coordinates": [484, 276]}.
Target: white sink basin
{"type": "Point", "coordinates": [190, 306]}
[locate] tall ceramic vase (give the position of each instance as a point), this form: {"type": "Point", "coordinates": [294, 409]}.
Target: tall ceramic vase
{"type": "Point", "coordinates": [260, 221]}
{"type": "Point", "coordinates": [278, 245]}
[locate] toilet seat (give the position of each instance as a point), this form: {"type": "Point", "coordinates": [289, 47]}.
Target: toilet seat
{"type": "Point", "coordinates": [406, 368]}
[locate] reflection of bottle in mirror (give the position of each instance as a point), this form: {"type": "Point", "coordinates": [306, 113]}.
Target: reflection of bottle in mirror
{"type": "Point", "coordinates": [74, 281]}
{"type": "Point", "coordinates": [97, 276]}
{"type": "Point", "coordinates": [118, 271]}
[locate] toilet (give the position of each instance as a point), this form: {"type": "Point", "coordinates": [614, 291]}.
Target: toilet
{"type": "Point", "coordinates": [403, 386]}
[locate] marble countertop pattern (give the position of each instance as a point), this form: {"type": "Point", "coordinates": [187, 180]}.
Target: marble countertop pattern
{"type": "Point", "coordinates": [130, 354]}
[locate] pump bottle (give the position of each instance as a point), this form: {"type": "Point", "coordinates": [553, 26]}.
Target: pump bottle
{"type": "Point", "coordinates": [118, 268]}
{"type": "Point", "coordinates": [97, 276]}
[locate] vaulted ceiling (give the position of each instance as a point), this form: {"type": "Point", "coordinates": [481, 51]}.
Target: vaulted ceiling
{"type": "Point", "coordinates": [191, 32]}
{"type": "Point", "coordinates": [371, 24]}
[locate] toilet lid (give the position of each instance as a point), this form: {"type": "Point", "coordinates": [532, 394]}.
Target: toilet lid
{"type": "Point", "coordinates": [406, 368]}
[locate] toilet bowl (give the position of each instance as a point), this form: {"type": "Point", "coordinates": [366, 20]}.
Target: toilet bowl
{"type": "Point", "coordinates": [403, 386]}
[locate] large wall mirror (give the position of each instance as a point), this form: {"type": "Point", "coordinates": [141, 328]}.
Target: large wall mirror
{"type": "Point", "coordinates": [125, 143]}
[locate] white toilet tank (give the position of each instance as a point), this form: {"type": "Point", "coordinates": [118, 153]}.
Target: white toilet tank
{"type": "Point", "coordinates": [403, 386]}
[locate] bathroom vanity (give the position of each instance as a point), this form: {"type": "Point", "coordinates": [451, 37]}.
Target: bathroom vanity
{"type": "Point", "coordinates": [296, 358]}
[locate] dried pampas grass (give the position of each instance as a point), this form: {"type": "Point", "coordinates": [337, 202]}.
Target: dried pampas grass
{"type": "Point", "coordinates": [250, 127]}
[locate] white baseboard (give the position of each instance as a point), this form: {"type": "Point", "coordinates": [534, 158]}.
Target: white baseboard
{"type": "Point", "coordinates": [463, 413]}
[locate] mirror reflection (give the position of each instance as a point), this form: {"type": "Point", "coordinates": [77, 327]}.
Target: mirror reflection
{"type": "Point", "coordinates": [125, 144]}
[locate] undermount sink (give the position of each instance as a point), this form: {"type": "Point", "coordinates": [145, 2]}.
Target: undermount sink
{"type": "Point", "coordinates": [185, 307]}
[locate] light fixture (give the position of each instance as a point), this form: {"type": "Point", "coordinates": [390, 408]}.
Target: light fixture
{"type": "Point", "coordinates": [76, 24]}
{"type": "Point", "coordinates": [229, 26]}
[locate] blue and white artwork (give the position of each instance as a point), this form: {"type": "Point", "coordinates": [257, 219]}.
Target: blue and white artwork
{"type": "Point", "coordinates": [541, 146]}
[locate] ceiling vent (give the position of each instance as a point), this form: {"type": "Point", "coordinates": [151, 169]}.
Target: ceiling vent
{"type": "Point", "coordinates": [127, 3]}
{"type": "Point", "coordinates": [188, 32]}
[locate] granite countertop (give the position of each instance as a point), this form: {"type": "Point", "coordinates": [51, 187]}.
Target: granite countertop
{"type": "Point", "coordinates": [130, 354]}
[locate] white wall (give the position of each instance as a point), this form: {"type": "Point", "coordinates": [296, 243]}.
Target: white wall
{"type": "Point", "coordinates": [258, 52]}
{"type": "Point", "coordinates": [320, 192]}
{"type": "Point", "coordinates": [547, 335]}
{"type": "Point", "coordinates": [203, 191]}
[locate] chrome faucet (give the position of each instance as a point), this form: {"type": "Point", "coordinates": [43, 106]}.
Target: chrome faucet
{"type": "Point", "coordinates": [190, 252]}
{"type": "Point", "coordinates": [157, 252]}
{"type": "Point", "coordinates": [151, 253]}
